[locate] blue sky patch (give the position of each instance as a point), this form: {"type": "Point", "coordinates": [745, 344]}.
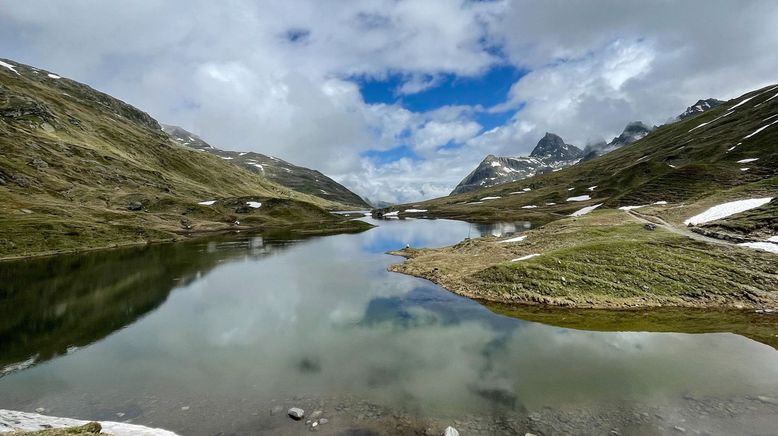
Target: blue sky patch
{"type": "Point", "coordinates": [486, 90]}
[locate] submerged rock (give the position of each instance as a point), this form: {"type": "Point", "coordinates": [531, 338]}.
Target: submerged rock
{"type": "Point", "coordinates": [450, 431]}
{"type": "Point", "coordinates": [296, 413]}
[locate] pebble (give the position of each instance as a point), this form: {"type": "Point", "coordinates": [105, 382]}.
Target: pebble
{"type": "Point", "coordinates": [324, 421]}
{"type": "Point", "coordinates": [316, 414]}
{"type": "Point", "coordinates": [296, 413]}
{"type": "Point", "coordinates": [679, 429]}
{"type": "Point", "coordinates": [185, 408]}
{"type": "Point", "coordinates": [276, 410]}
{"type": "Point", "coordinates": [40, 410]}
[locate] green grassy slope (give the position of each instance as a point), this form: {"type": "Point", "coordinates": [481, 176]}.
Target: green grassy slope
{"type": "Point", "coordinates": [680, 162]}
{"type": "Point", "coordinates": [80, 169]}
{"type": "Point", "coordinates": [294, 177]}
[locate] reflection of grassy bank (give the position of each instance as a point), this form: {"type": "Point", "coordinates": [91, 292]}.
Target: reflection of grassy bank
{"type": "Point", "coordinates": [50, 304]}
{"type": "Point", "coordinates": [601, 260]}
{"type": "Point", "coordinates": [759, 327]}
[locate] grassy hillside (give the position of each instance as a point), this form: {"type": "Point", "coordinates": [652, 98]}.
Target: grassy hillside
{"type": "Point", "coordinates": [294, 177]}
{"type": "Point", "coordinates": [682, 162]}
{"type": "Point", "coordinates": [605, 259]}
{"type": "Point", "coordinates": [80, 169]}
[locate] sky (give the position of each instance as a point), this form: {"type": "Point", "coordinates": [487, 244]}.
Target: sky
{"type": "Point", "coordinates": [399, 99]}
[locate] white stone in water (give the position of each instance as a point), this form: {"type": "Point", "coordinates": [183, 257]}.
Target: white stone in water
{"type": "Point", "coordinates": [450, 431]}
{"type": "Point", "coordinates": [296, 413]}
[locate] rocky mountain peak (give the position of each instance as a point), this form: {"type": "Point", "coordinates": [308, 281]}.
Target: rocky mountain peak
{"type": "Point", "coordinates": [632, 132]}
{"type": "Point", "coordinates": [552, 147]}
{"type": "Point", "coordinates": [700, 107]}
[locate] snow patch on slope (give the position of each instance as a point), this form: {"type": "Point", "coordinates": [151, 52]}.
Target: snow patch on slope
{"type": "Point", "coordinates": [727, 209]}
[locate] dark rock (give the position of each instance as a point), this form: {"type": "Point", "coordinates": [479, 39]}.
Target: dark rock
{"type": "Point", "coordinates": [135, 206]}
{"type": "Point", "coordinates": [649, 226]}
{"type": "Point", "coordinates": [38, 163]}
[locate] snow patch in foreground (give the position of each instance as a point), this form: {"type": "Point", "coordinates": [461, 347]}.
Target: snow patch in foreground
{"type": "Point", "coordinates": [726, 209]}
{"type": "Point", "coordinates": [773, 239]}
{"type": "Point", "coordinates": [516, 239]}
{"type": "Point", "coordinates": [254, 204]}
{"type": "Point", "coordinates": [579, 198]}
{"type": "Point", "coordinates": [585, 210]}
{"type": "Point", "coordinates": [11, 420]}
{"type": "Point", "coordinates": [207, 202]}
{"type": "Point", "coordinates": [765, 246]}
{"type": "Point", "coordinates": [529, 256]}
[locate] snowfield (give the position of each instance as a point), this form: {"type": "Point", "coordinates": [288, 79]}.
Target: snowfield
{"type": "Point", "coordinates": [585, 210]}
{"type": "Point", "coordinates": [579, 198]}
{"type": "Point", "coordinates": [9, 66]}
{"type": "Point", "coordinates": [516, 239]}
{"type": "Point", "coordinates": [529, 256]}
{"type": "Point", "coordinates": [759, 130]}
{"type": "Point", "coordinates": [764, 246]}
{"type": "Point", "coordinates": [726, 209]}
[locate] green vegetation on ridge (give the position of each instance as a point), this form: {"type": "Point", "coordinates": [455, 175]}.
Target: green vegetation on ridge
{"type": "Point", "coordinates": [80, 169]}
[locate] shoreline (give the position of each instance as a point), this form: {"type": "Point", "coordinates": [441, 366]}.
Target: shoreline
{"type": "Point", "coordinates": [307, 229]}
{"type": "Point", "coordinates": [605, 260]}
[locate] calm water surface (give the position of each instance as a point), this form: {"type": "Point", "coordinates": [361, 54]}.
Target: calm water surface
{"type": "Point", "coordinates": [205, 337]}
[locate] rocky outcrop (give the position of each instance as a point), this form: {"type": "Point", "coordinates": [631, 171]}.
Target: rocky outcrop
{"type": "Point", "coordinates": [699, 107]}
{"type": "Point", "coordinates": [549, 154]}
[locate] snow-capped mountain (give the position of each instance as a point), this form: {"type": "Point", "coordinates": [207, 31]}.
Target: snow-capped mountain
{"type": "Point", "coordinates": [294, 177]}
{"type": "Point", "coordinates": [632, 132]}
{"type": "Point", "coordinates": [549, 154]}
{"type": "Point", "coordinates": [699, 107]}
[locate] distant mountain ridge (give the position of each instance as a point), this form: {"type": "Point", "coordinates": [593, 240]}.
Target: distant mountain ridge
{"type": "Point", "coordinates": [632, 132]}
{"type": "Point", "coordinates": [294, 177]}
{"type": "Point", "coordinates": [550, 153]}
{"type": "Point", "coordinates": [700, 107]}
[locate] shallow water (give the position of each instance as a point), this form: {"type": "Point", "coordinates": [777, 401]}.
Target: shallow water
{"type": "Point", "coordinates": [205, 337]}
